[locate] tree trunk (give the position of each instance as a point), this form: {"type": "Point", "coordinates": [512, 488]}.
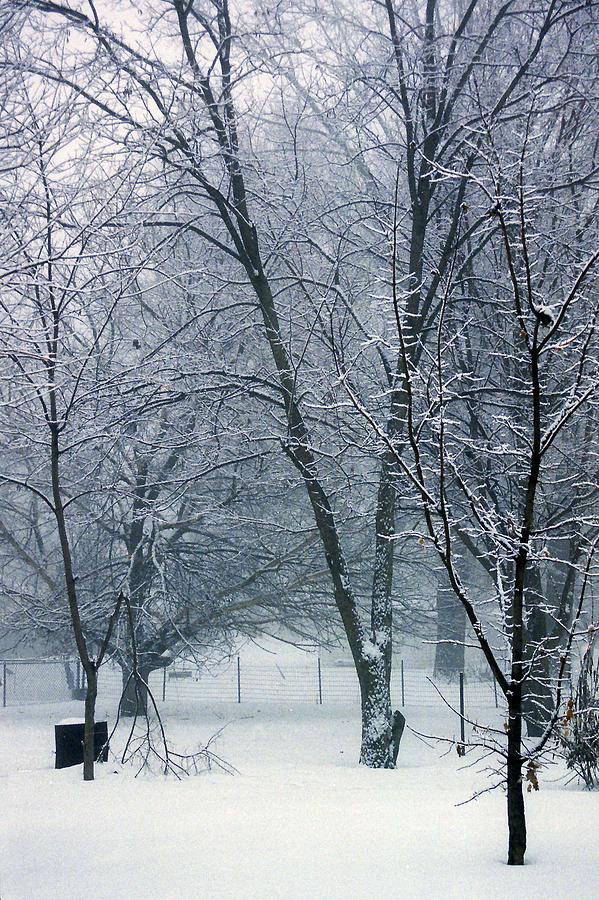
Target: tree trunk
{"type": "Point", "coordinates": [451, 635]}
{"type": "Point", "coordinates": [90, 723]}
{"type": "Point", "coordinates": [537, 700]}
{"type": "Point", "coordinates": [377, 749]}
{"type": "Point", "coordinates": [379, 745]}
{"type": "Point", "coordinates": [537, 695]}
{"type": "Point", "coordinates": [70, 678]}
{"type": "Point", "coordinates": [134, 699]}
{"type": "Point", "coordinates": [515, 793]}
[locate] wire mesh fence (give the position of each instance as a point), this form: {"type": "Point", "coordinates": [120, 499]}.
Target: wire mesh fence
{"type": "Point", "coordinates": [39, 681]}
{"type": "Point", "coordinates": [49, 681]}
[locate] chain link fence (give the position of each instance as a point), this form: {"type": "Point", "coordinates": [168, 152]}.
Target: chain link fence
{"type": "Point", "coordinates": [27, 681]}
{"type": "Point", "coordinates": [55, 681]}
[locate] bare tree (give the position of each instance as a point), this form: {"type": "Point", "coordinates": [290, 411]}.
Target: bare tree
{"type": "Point", "coordinates": [62, 279]}
{"type": "Point", "coordinates": [519, 339]}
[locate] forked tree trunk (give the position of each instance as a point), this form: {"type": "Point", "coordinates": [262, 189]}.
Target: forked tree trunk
{"type": "Point", "coordinates": [373, 671]}
{"type": "Point", "coordinates": [90, 723]}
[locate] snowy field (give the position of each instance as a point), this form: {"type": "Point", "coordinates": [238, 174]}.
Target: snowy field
{"type": "Point", "coordinates": [301, 820]}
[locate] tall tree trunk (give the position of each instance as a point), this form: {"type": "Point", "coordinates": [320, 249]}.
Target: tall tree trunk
{"type": "Point", "coordinates": [371, 648]}
{"type": "Point", "coordinates": [377, 749]}
{"type": "Point", "coordinates": [515, 793]}
{"type": "Point", "coordinates": [89, 665]}
{"type": "Point", "coordinates": [89, 727]}
{"type": "Point", "coordinates": [374, 671]}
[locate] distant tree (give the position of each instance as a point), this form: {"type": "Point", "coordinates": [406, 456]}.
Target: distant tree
{"type": "Point", "coordinates": [580, 726]}
{"type": "Point", "coordinates": [62, 279]}
{"type": "Point", "coordinates": [451, 634]}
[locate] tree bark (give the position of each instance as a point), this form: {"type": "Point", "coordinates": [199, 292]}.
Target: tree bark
{"type": "Point", "coordinates": [89, 665]}
{"type": "Point", "coordinates": [377, 747]}
{"type": "Point", "coordinates": [537, 698]}
{"type": "Point", "coordinates": [90, 723]}
{"type": "Point", "coordinates": [515, 794]}
{"type": "Point", "coordinates": [134, 699]}
{"type": "Point", "coordinates": [371, 652]}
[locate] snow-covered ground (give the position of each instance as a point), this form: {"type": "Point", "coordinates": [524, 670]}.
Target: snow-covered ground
{"type": "Point", "coordinates": [300, 822]}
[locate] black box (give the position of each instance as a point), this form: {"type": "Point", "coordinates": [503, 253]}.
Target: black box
{"type": "Point", "coordinates": [69, 743]}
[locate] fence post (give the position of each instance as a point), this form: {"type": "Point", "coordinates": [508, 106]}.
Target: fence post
{"type": "Point", "coordinates": [462, 710]}
{"type": "Point", "coordinates": [163, 684]}
{"type": "Point", "coordinates": [403, 687]}
{"type": "Point", "coordinates": [319, 682]}
{"type": "Point", "coordinates": [238, 680]}
{"type": "Point", "coordinates": [495, 690]}
{"type": "Point", "coordinates": [3, 684]}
